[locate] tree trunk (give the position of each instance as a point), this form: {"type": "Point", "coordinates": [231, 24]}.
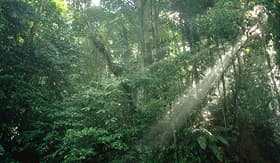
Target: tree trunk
{"type": "Point", "coordinates": [275, 88]}
{"type": "Point", "coordinates": [35, 25]}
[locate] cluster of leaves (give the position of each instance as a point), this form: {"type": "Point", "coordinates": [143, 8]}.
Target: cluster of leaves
{"type": "Point", "coordinates": [33, 74]}
{"type": "Point", "coordinates": [87, 84]}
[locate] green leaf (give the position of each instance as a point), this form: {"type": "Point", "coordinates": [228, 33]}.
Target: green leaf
{"type": "Point", "coordinates": [86, 109]}
{"type": "Point", "coordinates": [202, 142]}
{"type": "Point", "coordinates": [223, 140]}
{"type": "Point", "coordinates": [2, 150]}
{"type": "Point", "coordinates": [217, 151]}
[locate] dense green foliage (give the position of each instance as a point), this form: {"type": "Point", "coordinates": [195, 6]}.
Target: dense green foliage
{"type": "Point", "coordinates": [85, 83]}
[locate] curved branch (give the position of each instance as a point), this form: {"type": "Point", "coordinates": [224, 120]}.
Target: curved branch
{"type": "Point", "coordinates": [100, 46]}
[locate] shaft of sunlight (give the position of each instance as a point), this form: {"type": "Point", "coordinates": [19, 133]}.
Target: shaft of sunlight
{"type": "Point", "coordinates": [95, 2]}
{"type": "Point", "coordinates": [176, 117]}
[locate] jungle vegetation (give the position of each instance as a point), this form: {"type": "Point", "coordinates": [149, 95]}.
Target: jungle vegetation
{"type": "Point", "coordinates": [140, 81]}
